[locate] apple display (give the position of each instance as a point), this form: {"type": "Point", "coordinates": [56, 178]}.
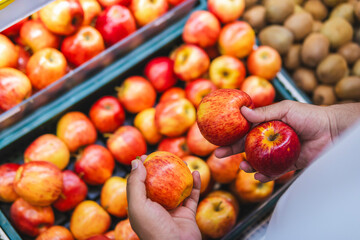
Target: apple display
{"type": "Point", "coordinates": [160, 72]}
{"type": "Point", "coordinates": [219, 118]}
{"type": "Point", "coordinates": [123, 230]}
{"type": "Point", "coordinates": [172, 94]}
{"type": "Point", "coordinates": [7, 176]}
{"type": "Point", "coordinates": [197, 164]}
{"type": "Point", "coordinates": [260, 90]}
{"type": "Point", "coordinates": [264, 62]}
{"type": "Point", "coordinates": [91, 9]}
{"type": "Point", "coordinates": [177, 146]}
{"type": "Point", "coordinates": [197, 144]}
{"type": "Point", "coordinates": [196, 90]}
{"type": "Point", "coordinates": [113, 196]}
{"type": "Point", "coordinates": [14, 29]}
{"type": "Point", "coordinates": [56, 233]}
{"type": "Point", "coordinates": [227, 10]}
{"type": "Point", "coordinates": [224, 170]}
{"type": "Point", "coordinates": [8, 54]}
{"type": "Point", "coordinates": [145, 122]}
{"type": "Point", "coordinates": [146, 11]}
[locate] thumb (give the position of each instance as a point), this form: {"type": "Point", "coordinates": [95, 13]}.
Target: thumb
{"type": "Point", "coordinates": [135, 188]}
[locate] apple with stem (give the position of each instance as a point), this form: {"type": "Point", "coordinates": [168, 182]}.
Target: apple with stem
{"type": "Point", "coordinates": [177, 146]}
{"type": "Point", "coordinates": [226, 10]}
{"type": "Point", "coordinates": [197, 164]}
{"type": "Point", "coordinates": [264, 62]}
{"type": "Point", "coordinates": [260, 90]}
{"type": "Point", "coordinates": [146, 11]}
{"type": "Point", "coordinates": [196, 90]}
{"type": "Point", "coordinates": [92, 9]}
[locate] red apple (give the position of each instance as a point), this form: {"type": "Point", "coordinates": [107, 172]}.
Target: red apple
{"type": "Point", "coordinates": [177, 146]}
{"type": "Point", "coordinates": [285, 177]}
{"type": "Point", "coordinates": [45, 67]}
{"type": "Point", "coordinates": [36, 36]}
{"type": "Point", "coordinates": [215, 216]}
{"type": "Point", "coordinates": [14, 88]}
{"type": "Point", "coordinates": [48, 148]}
{"type": "Point", "coordinates": [160, 72]}
{"type": "Point", "coordinates": [264, 62]}
{"type": "Point", "coordinates": [76, 130]}
{"type": "Point", "coordinates": [8, 54]}
{"type": "Point", "coordinates": [124, 231]}
{"type": "Point", "coordinates": [92, 9]}
{"type": "Point", "coordinates": [110, 235]}
{"type": "Point", "coordinates": [197, 164]}
{"type": "Point", "coordinates": [126, 144]}
{"type": "Point", "coordinates": [146, 11]}
{"type": "Point", "coordinates": [83, 45]}
{"type": "Point", "coordinates": [136, 94]}
{"type": "Point", "coordinates": [175, 2]}
{"type": "Point", "coordinates": [197, 143]}
{"type": "Point", "coordinates": [272, 148]}
{"type": "Point", "coordinates": [172, 94]}
{"type": "Point", "coordinates": [107, 114]}
{"type": "Point", "coordinates": [236, 39]}
{"type": "Point", "coordinates": [62, 17]}
{"type": "Point", "coordinates": [168, 179]}
{"type": "Point", "coordinates": [190, 62]}
{"type": "Point", "coordinates": [212, 52]}
{"type": "Point", "coordinates": [196, 90]}
{"type": "Point", "coordinates": [219, 118]}
{"type": "Point", "coordinates": [228, 196]}
{"type": "Point", "coordinates": [95, 164]}
{"type": "Point", "coordinates": [113, 196]}
{"type": "Point", "coordinates": [14, 29]}
{"type": "Point", "coordinates": [224, 170]}
{"type": "Point", "coordinates": [23, 59]}
{"type": "Point", "coordinates": [173, 118]}
{"type": "Point", "coordinates": [227, 10]}
{"type": "Point", "coordinates": [56, 233]}
{"type": "Point", "coordinates": [227, 72]}
{"type": "Point", "coordinates": [145, 122]}
{"type": "Point", "coordinates": [38, 182]}
{"type": "Point", "coordinates": [260, 90]}
{"type": "Point", "coordinates": [108, 3]}
{"type": "Point", "coordinates": [31, 220]}
{"type": "Point", "coordinates": [115, 23]}
{"type": "Point", "coordinates": [89, 219]}
{"type": "Point", "coordinates": [73, 192]}
{"type": "Point", "coordinates": [202, 29]}
{"type": "Point", "coordinates": [7, 176]}
{"type": "Point", "coordinates": [98, 237]}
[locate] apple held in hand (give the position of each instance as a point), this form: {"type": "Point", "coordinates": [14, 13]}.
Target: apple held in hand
{"type": "Point", "coordinates": [177, 146]}
{"type": "Point", "coordinates": [115, 23]}
{"type": "Point", "coordinates": [83, 45]}
{"type": "Point", "coordinates": [260, 90]}
{"type": "Point", "coordinates": [7, 176]}
{"type": "Point", "coordinates": [202, 29]}
{"type": "Point", "coordinates": [160, 72]}
{"type": "Point", "coordinates": [31, 220]}
{"type": "Point", "coordinates": [224, 170]}
{"type": "Point", "coordinates": [113, 196]}
{"type": "Point", "coordinates": [272, 148]}
{"type": "Point", "coordinates": [172, 94]}
{"type": "Point", "coordinates": [227, 72]}
{"type": "Point", "coordinates": [196, 90]}
{"type": "Point", "coordinates": [146, 11]}
{"type": "Point", "coordinates": [73, 192]}
{"type": "Point", "coordinates": [219, 118]}
{"type": "Point", "coordinates": [227, 10]}
{"type": "Point", "coordinates": [168, 180]}
{"type": "Point", "coordinates": [264, 62]}
{"type": "Point", "coordinates": [56, 232]}
{"type": "Point", "coordinates": [123, 230]}
{"type": "Point", "coordinates": [145, 122]}
{"type": "Point", "coordinates": [197, 143]}
{"type": "Point", "coordinates": [8, 54]}
{"type": "Point", "coordinates": [92, 9]}
{"type": "Point", "coordinates": [107, 114]}
{"type": "Point", "coordinates": [197, 164]}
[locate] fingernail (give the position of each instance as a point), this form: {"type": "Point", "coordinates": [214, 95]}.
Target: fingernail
{"type": "Point", "coordinates": [134, 164]}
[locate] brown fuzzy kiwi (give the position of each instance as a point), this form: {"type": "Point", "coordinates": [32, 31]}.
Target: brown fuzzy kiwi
{"type": "Point", "coordinates": [278, 10]}
{"type": "Point", "coordinates": [324, 95]}
{"type": "Point", "coordinates": [256, 17]}
{"type": "Point", "coordinates": [317, 26]}
{"type": "Point", "coordinates": [338, 31]}
{"type": "Point", "coordinates": [305, 79]}
{"type": "Point", "coordinates": [277, 37]}
{"type": "Point", "coordinates": [333, 3]}
{"type": "Point", "coordinates": [350, 51]}
{"type": "Point", "coordinates": [298, 9]}
{"type": "Point", "coordinates": [332, 69]}
{"type": "Point", "coordinates": [250, 3]}
{"type": "Point", "coordinates": [344, 10]}
{"type": "Point", "coordinates": [292, 59]}
{"type": "Point", "coordinates": [356, 68]}
{"type": "Point", "coordinates": [300, 24]}
{"type": "Point", "coordinates": [357, 10]}
{"type": "Point", "coordinates": [348, 88]}
{"type": "Point", "coordinates": [317, 9]}
{"type": "Point", "coordinates": [314, 49]}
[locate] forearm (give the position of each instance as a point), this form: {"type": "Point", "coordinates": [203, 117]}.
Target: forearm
{"type": "Point", "coordinates": [342, 116]}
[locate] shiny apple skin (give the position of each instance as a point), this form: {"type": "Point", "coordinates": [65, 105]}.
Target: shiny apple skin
{"type": "Point", "coordinates": [123, 230]}
{"type": "Point", "coordinates": [56, 233]}
{"type": "Point", "coordinates": [8, 54]}
{"type": "Point", "coordinates": [108, 3]}
{"type": "Point", "coordinates": [110, 235]}
{"type": "Point", "coordinates": [197, 144]}
{"type": "Point", "coordinates": [264, 62]}
{"type": "Point", "coordinates": [272, 157]}
{"type": "Point", "coordinates": [98, 237]}
{"type": "Point", "coordinates": [113, 196]}
{"type": "Point", "coordinates": [107, 114]}
{"type": "Point", "coordinates": [175, 2]}
{"type": "Point", "coordinates": [115, 23]}
{"type": "Point", "coordinates": [228, 196]}
{"type": "Point", "coordinates": [219, 118]}
{"type": "Point", "coordinates": [145, 122]}
{"type": "Point", "coordinates": [197, 164]}
{"type": "Point", "coordinates": [73, 192]}
{"type": "Point", "coordinates": [146, 11]}
{"type": "Point", "coordinates": [23, 59]}
{"type": "Point", "coordinates": [227, 10]}
{"type": "Point", "coordinates": [31, 220]}
{"type": "Point", "coordinates": [92, 9]}
{"type": "Point", "coordinates": [160, 72]}
{"type": "Point", "coordinates": [14, 29]}
{"type": "Point", "coordinates": [177, 146]}
{"type": "Point", "coordinates": [172, 94]}
{"type": "Point", "coordinates": [196, 90]}
{"type": "Point", "coordinates": [260, 90]}
{"type": "Point", "coordinates": [7, 176]}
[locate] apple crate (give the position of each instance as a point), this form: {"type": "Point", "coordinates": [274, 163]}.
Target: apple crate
{"type": "Point", "coordinates": [96, 64]}
{"type": "Point", "coordinates": [80, 98]}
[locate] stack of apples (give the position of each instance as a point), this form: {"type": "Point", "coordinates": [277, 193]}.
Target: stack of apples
{"type": "Point", "coordinates": [218, 52]}
{"type": "Point", "coordinates": [39, 50]}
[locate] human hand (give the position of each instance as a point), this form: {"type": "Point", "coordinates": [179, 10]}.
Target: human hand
{"type": "Point", "coordinates": [150, 220]}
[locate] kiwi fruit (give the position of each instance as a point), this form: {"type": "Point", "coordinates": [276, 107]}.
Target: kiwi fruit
{"type": "Point", "coordinates": [350, 51]}
{"type": "Point", "coordinates": [333, 3]}
{"type": "Point", "coordinates": [338, 31]}
{"type": "Point", "coordinates": [317, 9]}
{"type": "Point", "coordinates": [317, 26]}
{"type": "Point", "coordinates": [278, 10]}
{"type": "Point", "coordinates": [357, 10]}
{"type": "Point", "coordinates": [256, 17]}
{"type": "Point", "coordinates": [315, 48]}
{"type": "Point", "coordinates": [305, 79]}
{"type": "Point", "coordinates": [298, 9]}
{"type": "Point", "coordinates": [332, 69]}
{"type": "Point", "coordinates": [250, 3]}
{"type": "Point", "coordinates": [292, 58]}
{"type": "Point", "coordinates": [357, 35]}
{"type": "Point", "coordinates": [324, 95]}
{"type": "Point", "coordinates": [300, 24]}
{"type": "Point", "coordinates": [348, 88]}
{"type": "Point", "coordinates": [277, 37]}
{"type": "Point", "coordinates": [345, 11]}
{"type": "Point", "coordinates": [356, 69]}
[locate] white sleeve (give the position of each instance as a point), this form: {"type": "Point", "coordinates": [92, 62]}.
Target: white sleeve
{"type": "Point", "coordinates": [324, 201]}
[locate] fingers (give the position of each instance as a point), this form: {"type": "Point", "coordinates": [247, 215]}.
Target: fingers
{"type": "Point", "coordinates": [226, 151]}
{"type": "Point", "coordinates": [192, 201]}
{"type": "Point", "coordinates": [135, 189]}
{"type": "Point", "coordinates": [245, 166]}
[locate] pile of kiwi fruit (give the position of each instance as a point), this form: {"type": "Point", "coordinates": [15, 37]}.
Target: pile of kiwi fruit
{"type": "Point", "coordinates": [319, 41]}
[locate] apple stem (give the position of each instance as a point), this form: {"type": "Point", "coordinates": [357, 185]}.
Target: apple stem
{"type": "Point", "coordinates": [217, 208]}
{"type": "Point", "coordinates": [107, 135]}
{"type": "Point", "coordinates": [273, 137]}
{"type": "Point", "coordinates": [62, 196]}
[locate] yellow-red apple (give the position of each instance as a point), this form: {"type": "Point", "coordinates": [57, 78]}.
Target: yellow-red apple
{"type": "Point", "coordinates": [123, 230]}
{"type": "Point", "coordinates": [264, 62]}
{"type": "Point", "coordinates": [197, 164]}
{"type": "Point", "coordinates": [8, 54]}
{"type": "Point", "coordinates": [146, 11]}
{"type": "Point", "coordinates": [145, 122]}
{"type": "Point", "coordinates": [228, 196]}
{"type": "Point", "coordinates": [177, 146]}
{"type": "Point", "coordinates": [7, 176]}
{"type": "Point", "coordinates": [91, 9]}
{"type": "Point", "coordinates": [56, 233]}
{"type": "Point", "coordinates": [227, 10]}
{"type": "Point", "coordinates": [113, 196]}
{"type": "Point", "coordinates": [175, 2]}
{"type": "Point", "coordinates": [160, 72]}
{"type": "Point", "coordinates": [172, 94]}
{"type": "Point", "coordinates": [110, 235]}
{"type": "Point", "coordinates": [108, 3]}
{"type": "Point", "coordinates": [197, 143]}
{"type": "Point", "coordinates": [224, 170]}
{"type": "Point", "coordinates": [196, 90]}
{"type": "Point", "coordinates": [260, 90]}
